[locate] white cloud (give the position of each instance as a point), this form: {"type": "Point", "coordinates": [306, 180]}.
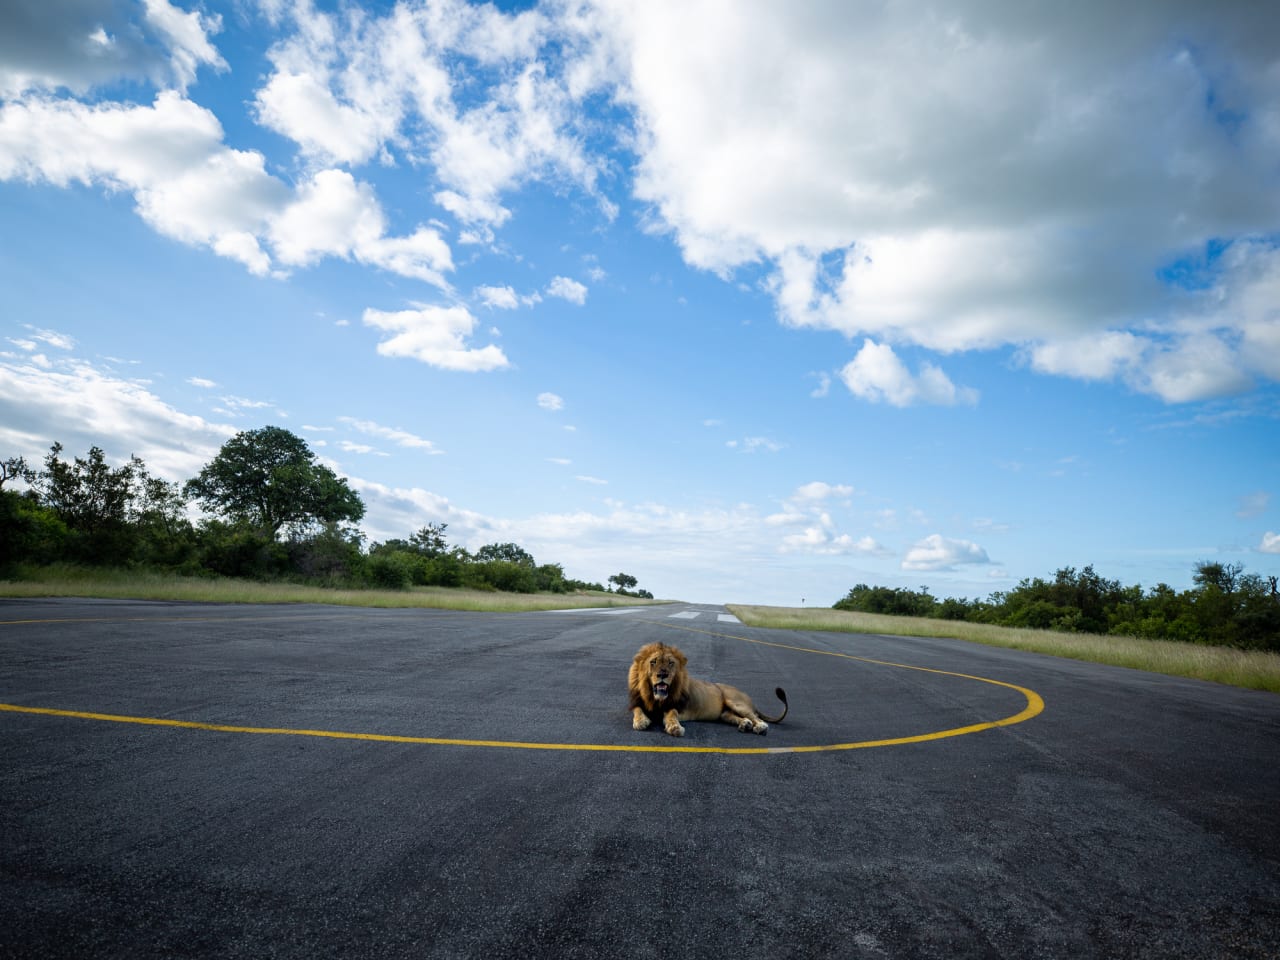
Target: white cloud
{"type": "Point", "coordinates": [818, 491]}
{"type": "Point", "coordinates": [77, 404]}
{"type": "Point", "coordinates": [436, 336]}
{"type": "Point", "coordinates": [887, 199]}
{"type": "Point", "coordinates": [756, 445]}
{"type": "Point", "coordinates": [465, 88]}
{"type": "Point", "coordinates": [936, 552]}
{"type": "Point", "coordinates": [52, 338]}
{"type": "Point", "coordinates": [1099, 357]}
{"type": "Point", "coordinates": [201, 382]}
{"type": "Point", "coordinates": [77, 44]}
{"type": "Point", "coordinates": [187, 34]}
{"type": "Point", "coordinates": [501, 298]}
{"type": "Point", "coordinates": [189, 186]}
{"type": "Point", "coordinates": [550, 401]}
{"type": "Point", "coordinates": [400, 437]}
{"type": "Point", "coordinates": [596, 481]}
{"type": "Point", "coordinates": [334, 215]}
{"type": "Point", "coordinates": [1199, 367]}
{"type": "Point", "coordinates": [567, 289]}
{"type": "Point", "coordinates": [1270, 543]}
{"type": "Point", "coordinates": [878, 375]}
{"type": "Point", "coordinates": [807, 511]}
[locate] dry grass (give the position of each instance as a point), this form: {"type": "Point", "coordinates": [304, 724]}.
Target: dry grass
{"type": "Point", "coordinates": [75, 582]}
{"type": "Point", "coordinates": [1252, 669]}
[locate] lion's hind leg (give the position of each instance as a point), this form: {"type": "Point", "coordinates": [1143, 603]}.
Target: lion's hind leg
{"type": "Point", "coordinates": [746, 720]}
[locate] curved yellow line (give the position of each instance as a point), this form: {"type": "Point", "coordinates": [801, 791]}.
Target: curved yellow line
{"type": "Point", "coordinates": [1033, 708]}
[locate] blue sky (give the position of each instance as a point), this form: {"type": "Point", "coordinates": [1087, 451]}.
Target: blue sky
{"type": "Point", "coordinates": [752, 301]}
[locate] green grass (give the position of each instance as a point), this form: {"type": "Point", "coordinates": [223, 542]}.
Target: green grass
{"type": "Point", "coordinates": [67, 581]}
{"type": "Point", "coordinates": [1251, 669]}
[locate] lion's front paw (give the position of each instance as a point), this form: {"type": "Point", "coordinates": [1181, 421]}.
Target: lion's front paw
{"type": "Point", "coordinates": [676, 730]}
{"type": "Point", "coordinates": [640, 722]}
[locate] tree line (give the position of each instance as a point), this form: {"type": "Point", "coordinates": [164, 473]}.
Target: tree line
{"type": "Point", "coordinates": [272, 512]}
{"type": "Point", "coordinates": [1225, 606]}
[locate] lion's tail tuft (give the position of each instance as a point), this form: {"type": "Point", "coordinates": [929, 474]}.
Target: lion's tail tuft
{"type": "Point", "coordinates": [782, 695]}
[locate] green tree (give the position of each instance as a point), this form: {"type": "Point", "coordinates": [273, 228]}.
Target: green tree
{"type": "Point", "coordinates": [15, 468]}
{"type": "Point", "coordinates": [624, 581]}
{"type": "Point", "coordinates": [269, 478]}
{"type": "Point", "coordinates": [430, 541]}
{"type": "Point", "coordinates": [506, 552]}
{"type": "Point", "coordinates": [88, 494]}
{"type": "Point", "coordinates": [96, 502]}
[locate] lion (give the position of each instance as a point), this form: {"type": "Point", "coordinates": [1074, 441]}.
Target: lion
{"type": "Point", "coordinates": [661, 689]}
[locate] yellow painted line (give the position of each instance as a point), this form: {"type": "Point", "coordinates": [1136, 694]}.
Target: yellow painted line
{"type": "Point", "coordinates": [1034, 705]}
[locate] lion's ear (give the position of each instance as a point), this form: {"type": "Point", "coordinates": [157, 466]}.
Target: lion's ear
{"type": "Point", "coordinates": [684, 661]}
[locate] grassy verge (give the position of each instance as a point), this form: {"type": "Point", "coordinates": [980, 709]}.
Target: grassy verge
{"type": "Point", "coordinates": [141, 585]}
{"type": "Point", "coordinates": [1252, 669]}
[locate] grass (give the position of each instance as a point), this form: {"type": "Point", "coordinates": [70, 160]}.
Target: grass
{"type": "Point", "coordinates": [67, 581]}
{"type": "Point", "coordinates": [1251, 669]}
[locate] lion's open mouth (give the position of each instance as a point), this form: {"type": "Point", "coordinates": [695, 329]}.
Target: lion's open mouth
{"type": "Point", "coordinates": [660, 691]}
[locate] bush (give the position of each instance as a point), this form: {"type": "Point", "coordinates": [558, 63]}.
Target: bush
{"type": "Point", "coordinates": [390, 570]}
{"type": "Point", "coordinates": [502, 575]}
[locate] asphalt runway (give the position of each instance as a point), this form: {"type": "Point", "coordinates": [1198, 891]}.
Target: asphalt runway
{"type": "Point", "coordinates": [184, 780]}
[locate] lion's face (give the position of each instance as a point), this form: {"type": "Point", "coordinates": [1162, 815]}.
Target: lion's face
{"type": "Point", "coordinates": [661, 669]}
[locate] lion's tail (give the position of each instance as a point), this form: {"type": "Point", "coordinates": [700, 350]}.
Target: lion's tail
{"type": "Point", "coordinates": [782, 695]}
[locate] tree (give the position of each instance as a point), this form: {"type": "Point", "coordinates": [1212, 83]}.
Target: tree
{"type": "Point", "coordinates": [88, 494]}
{"type": "Point", "coordinates": [430, 541]}
{"type": "Point", "coordinates": [269, 478]}
{"type": "Point", "coordinates": [15, 468]}
{"type": "Point", "coordinates": [506, 552]}
{"type": "Point", "coordinates": [624, 581]}
{"type": "Point", "coordinates": [1224, 576]}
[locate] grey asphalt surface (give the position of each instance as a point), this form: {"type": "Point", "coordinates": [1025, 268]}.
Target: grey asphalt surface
{"type": "Point", "coordinates": [1136, 816]}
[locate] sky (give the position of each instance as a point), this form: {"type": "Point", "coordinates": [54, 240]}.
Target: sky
{"type": "Point", "coordinates": [752, 301]}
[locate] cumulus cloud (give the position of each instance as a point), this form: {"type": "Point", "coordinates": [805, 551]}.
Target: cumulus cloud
{"type": "Point", "coordinates": [78, 44]}
{"type": "Point", "coordinates": [937, 552]}
{"type": "Point", "coordinates": [436, 336]}
{"type": "Point", "coordinates": [472, 91]}
{"type": "Point", "coordinates": [334, 215]}
{"type": "Point", "coordinates": [1270, 543]}
{"type": "Point", "coordinates": [1114, 220]}
{"type": "Point", "coordinates": [501, 298]}
{"type": "Point", "coordinates": [550, 401]}
{"type": "Point", "coordinates": [191, 187]}
{"type": "Point", "coordinates": [567, 289]}
{"type": "Point", "coordinates": [807, 510]}
{"type": "Point", "coordinates": [877, 374]}
{"type": "Point", "coordinates": [885, 197]}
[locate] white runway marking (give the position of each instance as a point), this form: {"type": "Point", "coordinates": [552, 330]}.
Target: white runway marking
{"type": "Point", "coordinates": [603, 611]}
{"type": "Point", "coordinates": [727, 618]}
{"type": "Point", "coordinates": [686, 615]}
